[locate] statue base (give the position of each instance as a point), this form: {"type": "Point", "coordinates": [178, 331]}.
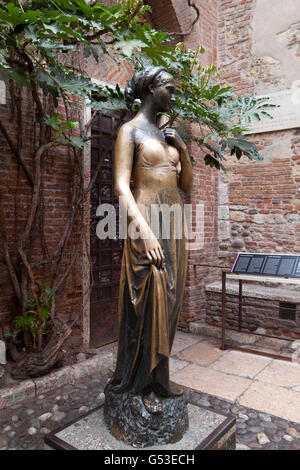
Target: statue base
{"type": "Point", "coordinates": [128, 420]}
{"type": "Point", "coordinates": [208, 430]}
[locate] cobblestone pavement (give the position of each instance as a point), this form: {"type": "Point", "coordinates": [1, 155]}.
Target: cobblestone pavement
{"type": "Point", "coordinates": [24, 425]}
{"type": "Point", "coordinates": [255, 430]}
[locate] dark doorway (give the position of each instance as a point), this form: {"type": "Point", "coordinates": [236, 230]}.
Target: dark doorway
{"type": "Point", "coordinates": [106, 255]}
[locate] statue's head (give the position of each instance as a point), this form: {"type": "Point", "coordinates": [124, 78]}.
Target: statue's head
{"type": "Point", "coordinates": [154, 82]}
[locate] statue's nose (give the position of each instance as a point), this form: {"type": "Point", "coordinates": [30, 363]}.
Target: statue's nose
{"type": "Point", "coordinates": [173, 98]}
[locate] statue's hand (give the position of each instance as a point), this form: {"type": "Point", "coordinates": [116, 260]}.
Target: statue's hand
{"type": "Point", "coordinates": [173, 138]}
{"type": "Point", "coordinates": [153, 250]}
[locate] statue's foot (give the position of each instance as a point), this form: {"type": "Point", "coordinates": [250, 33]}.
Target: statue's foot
{"type": "Point", "coordinates": [176, 389]}
{"type": "Point", "coordinates": [152, 403]}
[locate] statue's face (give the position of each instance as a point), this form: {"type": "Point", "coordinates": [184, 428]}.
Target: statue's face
{"type": "Point", "coordinates": [163, 93]}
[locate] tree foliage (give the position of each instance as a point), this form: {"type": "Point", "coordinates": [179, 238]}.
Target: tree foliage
{"type": "Point", "coordinates": [36, 36]}
{"type": "Point", "coordinates": [221, 115]}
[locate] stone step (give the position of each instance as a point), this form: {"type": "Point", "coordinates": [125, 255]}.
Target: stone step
{"type": "Point", "coordinates": [202, 329]}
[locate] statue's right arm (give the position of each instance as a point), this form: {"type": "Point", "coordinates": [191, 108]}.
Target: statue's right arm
{"type": "Point", "coordinates": [123, 162]}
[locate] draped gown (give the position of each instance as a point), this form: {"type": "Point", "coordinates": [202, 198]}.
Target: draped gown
{"type": "Point", "coordinates": [150, 298]}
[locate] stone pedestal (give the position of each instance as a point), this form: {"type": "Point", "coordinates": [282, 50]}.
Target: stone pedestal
{"type": "Point", "coordinates": [207, 430]}
{"type": "Point", "coordinates": [128, 420]}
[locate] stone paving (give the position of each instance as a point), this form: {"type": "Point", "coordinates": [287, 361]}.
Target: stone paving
{"type": "Point", "coordinates": [250, 387]}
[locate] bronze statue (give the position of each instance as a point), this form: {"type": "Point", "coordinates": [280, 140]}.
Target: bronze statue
{"type": "Point", "coordinates": [154, 268]}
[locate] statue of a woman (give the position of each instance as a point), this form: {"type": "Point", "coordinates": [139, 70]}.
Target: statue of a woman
{"type": "Point", "coordinates": [154, 266]}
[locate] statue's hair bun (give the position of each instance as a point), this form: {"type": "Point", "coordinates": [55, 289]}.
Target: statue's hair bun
{"type": "Point", "coordinates": [131, 92]}
{"type": "Point", "coordinates": [138, 84]}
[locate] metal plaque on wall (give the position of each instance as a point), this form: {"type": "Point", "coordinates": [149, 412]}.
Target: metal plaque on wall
{"type": "Point", "coordinates": [267, 265]}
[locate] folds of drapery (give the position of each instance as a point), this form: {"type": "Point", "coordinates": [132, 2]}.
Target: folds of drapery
{"type": "Point", "coordinates": [150, 301]}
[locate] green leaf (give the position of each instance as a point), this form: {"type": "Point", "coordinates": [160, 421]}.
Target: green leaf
{"type": "Point", "coordinates": [53, 121]}
{"type": "Point", "coordinates": [3, 63]}
{"type": "Point", "coordinates": [53, 27]}
{"type": "Point", "coordinates": [110, 106]}
{"type": "Point", "coordinates": [19, 77]}
{"type": "Point", "coordinates": [76, 141]}
{"type": "Point", "coordinates": [71, 125]}
{"type": "Point", "coordinates": [87, 50]}
{"type": "Point", "coordinates": [128, 47]}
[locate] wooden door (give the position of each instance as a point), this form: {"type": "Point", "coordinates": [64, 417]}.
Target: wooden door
{"type": "Point", "coordinates": [106, 255]}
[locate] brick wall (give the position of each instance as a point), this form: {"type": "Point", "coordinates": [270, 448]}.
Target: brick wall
{"type": "Point", "coordinates": [259, 203]}
{"type": "Point", "coordinates": [56, 197]}
{"type": "Point", "coordinates": [205, 190]}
